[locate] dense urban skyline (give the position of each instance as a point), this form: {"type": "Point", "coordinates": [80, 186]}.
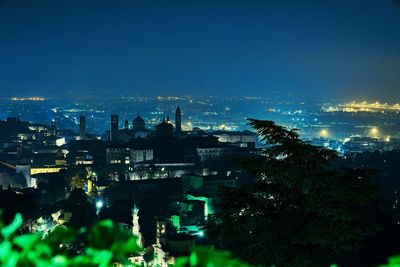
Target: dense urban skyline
{"type": "Point", "coordinates": [319, 49]}
{"type": "Point", "coordinates": [199, 133]}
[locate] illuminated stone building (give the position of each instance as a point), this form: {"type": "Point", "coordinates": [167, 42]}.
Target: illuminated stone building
{"type": "Point", "coordinates": [215, 152]}
{"type": "Point", "coordinates": [60, 158]}
{"type": "Point", "coordinates": [127, 134]}
{"type": "Point", "coordinates": [235, 137]}
{"type": "Point", "coordinates": [129, 153]}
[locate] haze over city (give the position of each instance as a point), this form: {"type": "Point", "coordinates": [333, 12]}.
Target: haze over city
{"type": "Point", "coordinates": [166, 133]}
{"type": "Point", "coordinates": [323, 50]}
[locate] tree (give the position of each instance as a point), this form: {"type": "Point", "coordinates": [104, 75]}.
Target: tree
{"type": "Point", "coordinates": [300, 211]}
{"type": "Point", "coordinates": [78, 182]}
{"type": "Point", "coordinates": [74, 171]}
{"type": "Point", "coordinates": [82, 209]}
{"type": "Point", "coordinates": [105, 244]}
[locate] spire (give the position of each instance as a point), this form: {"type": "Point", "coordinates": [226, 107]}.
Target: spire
{"type": "Point", "coordinates": [178, 121]}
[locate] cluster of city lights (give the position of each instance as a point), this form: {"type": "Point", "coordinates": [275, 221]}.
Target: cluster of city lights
{"type": "Point", "coordinates": [168, 98]}
{"type": "Point", "coordinates": [324, 133]}
{"type": "Point", "coordinates": [364, 107]}
{"type": "Point", "coordinates": [36, 98]}
{"type": "Point", "coordinates": [373, 132]}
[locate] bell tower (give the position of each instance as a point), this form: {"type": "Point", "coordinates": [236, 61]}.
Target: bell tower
{"type": "Point", "coordinates": [178, 121]}
{"type": "Point", "coordinates": [114, 128]}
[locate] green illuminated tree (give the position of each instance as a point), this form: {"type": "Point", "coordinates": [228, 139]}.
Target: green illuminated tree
{"type": "Point", "coordinates": [105, 243]}
{"type": "Point", "coordinates": [78, 182]}
{"type": "Point", "coordinates": [74, 171]}
{"type": "Point", "coordinates": [300, 211]}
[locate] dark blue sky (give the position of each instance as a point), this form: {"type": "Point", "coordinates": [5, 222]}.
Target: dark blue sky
{"type": "Point", "coordinates": [332, 48]}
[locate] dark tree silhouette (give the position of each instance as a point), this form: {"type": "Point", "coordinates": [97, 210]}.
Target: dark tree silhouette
{"type": "Point", "coordinates": [83, 211]}
{"type": "Point", "coordinates": [300, 211]}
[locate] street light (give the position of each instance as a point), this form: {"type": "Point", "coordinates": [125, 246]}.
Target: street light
{"type": "Point", "coordinates": [99, 204]}
{"type": "Point", "coordinates": [324, 133]}
{"type": "Point", "coordinates": [374, 132]}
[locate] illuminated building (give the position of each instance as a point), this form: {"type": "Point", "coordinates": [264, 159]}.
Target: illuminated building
{"type": "Point", "coordinates": [16, 176]}
{"type": "Point", "coordinates": [160, 256]}
{"type": "Point", "coordinates": [126, 134]}
{"type": "Point", "coordinates": [135, 225]}
{"type": "Point", "coordinates": [234, 137]}
{"type": "Point", "coordinates": [141, 155]}
{"type": "Point", "coordinates": [128, 154]}
{"type": "Point", "coordinates": [84, 159]}
{"type": "Point", "coordinates": [161, 233]}
{"type": "Point", "coordinates": [116, 155]}
{"type": "Point", "coordinates": [89, 186]}
{"type": "Point", "coordinates": [362, 144]}
{"type": "Point", "coordinates": [60, 141]}
{"type": "Point", "coordinates": [60, 158]}
{"type": "Point", "coordinates": [46, 169]}
{"type": "Point", "coordinates": [214, 152]}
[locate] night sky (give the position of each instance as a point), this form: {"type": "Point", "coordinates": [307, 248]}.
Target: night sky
{"type": "Point", "coordinates": [319, 49]}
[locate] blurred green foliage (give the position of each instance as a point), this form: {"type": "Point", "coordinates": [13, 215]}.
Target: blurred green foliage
{"type": "Point", "coordinates": [204, 257]}
{"type": "Point", "coordinates": [103, 244]}
{"type": "Point", "coordinates": [393, 262]}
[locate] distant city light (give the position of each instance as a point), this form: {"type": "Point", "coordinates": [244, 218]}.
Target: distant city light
{"type": "Point", "coordinates": [363, 107]}
{"type": "Point", "coordinates": [36, 98]}
{"type": "Point", "coordinates": [99, 204]}
{"type": "Point", "coordinates": [374, 132]}
{"type": "Point", "coordinates": [324, 133]}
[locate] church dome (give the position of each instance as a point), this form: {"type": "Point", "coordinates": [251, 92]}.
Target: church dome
{"type": "Point", "coordinates": [138, 123]}
{"type": "Point", "coordinates": [138, 119]}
